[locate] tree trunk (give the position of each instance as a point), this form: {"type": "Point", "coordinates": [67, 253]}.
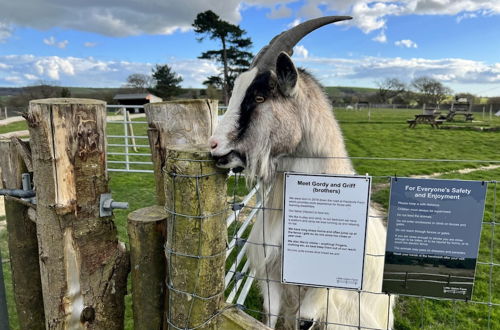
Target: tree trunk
{"type": "Point", "coordinates": [23, 245]}
{"type": "Point", "coordinates": [225, 86]}
{"type": "Point", "coordinates": [147, 230]}
{"type": "Point", "coordinates": [196, 237]}
{"type": "Point", "coordinates": [177, 122]}
{"type": "Point", "coordinates": [83, 266]}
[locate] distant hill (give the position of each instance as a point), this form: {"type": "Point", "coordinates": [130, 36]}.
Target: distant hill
{"type": "Point", "coordinates": [336, 93]}
{"type": "Point", "coordinates": [8, 91]}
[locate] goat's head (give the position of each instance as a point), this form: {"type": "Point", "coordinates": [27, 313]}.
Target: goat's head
{"type": "Point", "coordinates": [261, 122]}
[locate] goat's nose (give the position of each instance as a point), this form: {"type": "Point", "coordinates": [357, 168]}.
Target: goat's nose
{"type": "Point", "coordinates": [212, 143]}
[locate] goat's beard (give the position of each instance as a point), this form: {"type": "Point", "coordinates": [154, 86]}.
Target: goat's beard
{"type": "Point", "coordinates": [260, 165]}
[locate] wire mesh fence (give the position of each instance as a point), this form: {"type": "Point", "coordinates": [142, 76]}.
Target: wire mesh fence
{"type": "Point", "coordinates": [482, 311]}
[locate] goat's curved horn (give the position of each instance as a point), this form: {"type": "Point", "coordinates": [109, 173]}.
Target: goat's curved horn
{"type": "Point", "coordinates": [284, 42]}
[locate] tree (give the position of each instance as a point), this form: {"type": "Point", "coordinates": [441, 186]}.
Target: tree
{"type": "Point", "coordinates": [471, 98]}
{"type": "Point", "coordinates": [430, 91]}
{"type": "Point", "coordinates": [139, 81]}
{"type": "Point", "coordinates": [65, 92]}
{"type": "Point", "coordinates": [166, 82]}
{"type": "Point", "coordinates": [43, 90]}
{"type": "Point", "coordinates": [233, 56]}
{"type": "Point", "coordinates": [494, 100]}
{"type": "Point", "coordinates": [390, 88]}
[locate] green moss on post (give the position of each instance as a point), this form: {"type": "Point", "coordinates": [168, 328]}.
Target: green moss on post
{"type": "Point", "coordinates": [23, 244]}
{"type": "Point", "coordinates": [177, 122]}
{"type": "Point", "coordinates": [195, 202]}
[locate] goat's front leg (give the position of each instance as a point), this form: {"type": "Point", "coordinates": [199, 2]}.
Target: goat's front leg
{"type": "Point", "coordinates": [271, 293]}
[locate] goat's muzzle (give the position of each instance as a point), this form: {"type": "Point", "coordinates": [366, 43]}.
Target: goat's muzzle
{"type": "Point", "coordinates": [232, 159]}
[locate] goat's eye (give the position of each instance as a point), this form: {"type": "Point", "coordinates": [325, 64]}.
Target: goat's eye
{"type": "Point", "coordinates": [259, 99]}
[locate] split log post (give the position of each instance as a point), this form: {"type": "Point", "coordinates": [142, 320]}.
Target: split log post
{"type": "Point", "coordinates": [146, 230]}
{"type": "Point", "coordinates": [196, 237]}
{"type": "Point", "coordinates": [83, 266]}
{"type": "Point", "coordinates": [23, 245]}
{"type": "Point", "coordinates": [177, 122]}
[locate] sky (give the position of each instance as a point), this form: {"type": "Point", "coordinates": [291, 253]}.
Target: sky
{"type": "Point", "coordinates": [98, 43]}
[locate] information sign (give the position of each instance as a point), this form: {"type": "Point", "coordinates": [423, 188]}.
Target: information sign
{"type": "Point", "coordinates": [324, 229]}
{"type": "Point", "coordinates": [433, 237]}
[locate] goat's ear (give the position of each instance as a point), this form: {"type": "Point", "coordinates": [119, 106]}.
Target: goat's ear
{"type": "Point", "coordinates": [287, 74]}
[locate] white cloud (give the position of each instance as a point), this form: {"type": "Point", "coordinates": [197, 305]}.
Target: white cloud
{"type": "Point", "coordinates": [310, 10]}
{"type": "Point", "coordinates": [51, 41]}
{"type": "Point", "coordinates": [22, 70]}
{"type": "Point", "coordinates": [406, 43]}
{"type": "Point", "coordinates": [465, 16]}
{"type": "Point", "coordinates": [5, 32]}
{"type": "Point", "coordinates": [31, 76]}
{"type": "Point", "coordinates": [90, 44]}
{"type": "Point", "coordinates": [281, 11]}
{"type": "Point", "coordinates": [300, 51]}
{"type": "Point", "coordinates": [459, 74]}
{"type": "Point", "coordinates": [381, 37]}
{"type": "Point", "coordinates": [133, 17]}
{"type": "Point", "coordinates": [105, 17]}
{"type": "Point", "coordinates": [371, 15]}
{"type": "Point", "coordinates": [294, 23]}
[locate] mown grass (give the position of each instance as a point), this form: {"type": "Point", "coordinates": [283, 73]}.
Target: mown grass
{"type": "Point", "coordinates": [385, 134]}
{"type": "Point", "coordinates": [16, 126]}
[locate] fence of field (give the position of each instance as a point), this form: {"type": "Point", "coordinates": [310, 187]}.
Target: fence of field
{"type": "Point", "coordinates": [212, 275]}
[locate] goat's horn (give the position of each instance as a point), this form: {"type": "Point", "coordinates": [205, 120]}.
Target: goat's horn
{"type": "Point", "coordinates": [284, 42]}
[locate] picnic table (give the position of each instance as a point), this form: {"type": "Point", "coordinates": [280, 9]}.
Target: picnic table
{"type": "Point", "coordinates": [467, 114]}
{"type": "Point", "coordinates": [430, 119]}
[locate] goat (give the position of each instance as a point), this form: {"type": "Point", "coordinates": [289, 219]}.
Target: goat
{"type": "Point", "coordinates": [279, 119]}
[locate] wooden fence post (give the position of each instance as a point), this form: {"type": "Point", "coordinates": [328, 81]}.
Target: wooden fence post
{"type": "Point", "coordinates": [196, 237]}
{"type": "Point", "coordinates": [23, 245]}
{"type": "Point", "coordinates": [146, 230]}
{"type": "Point", "coordinates": [83, 266]}
{"type": "Point", "coordinates": [177, 122]}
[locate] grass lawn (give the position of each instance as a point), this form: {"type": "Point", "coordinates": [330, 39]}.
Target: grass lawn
{"type": "Point", "coordinates": [16, 126]}
{"type": "Point", "coordinates": [383, 134]}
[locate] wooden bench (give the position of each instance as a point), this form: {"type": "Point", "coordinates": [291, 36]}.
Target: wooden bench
{"type": "Point", "coordinates": [468, 115]}
{"type": "Point", "coordinates": [425, 119]}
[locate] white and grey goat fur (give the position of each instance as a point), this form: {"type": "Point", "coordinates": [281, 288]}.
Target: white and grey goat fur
{"type": "Point", "coordinates": [277, 117]}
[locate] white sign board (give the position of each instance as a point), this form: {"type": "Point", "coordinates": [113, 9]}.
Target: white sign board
{"type": "Point", "coordinates": [324, 229]}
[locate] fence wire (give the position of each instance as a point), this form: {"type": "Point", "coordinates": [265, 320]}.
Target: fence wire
{"type": "Point", "coordinates": [241, 280]}
{"type": "Point", "coordinates": [244, 277]}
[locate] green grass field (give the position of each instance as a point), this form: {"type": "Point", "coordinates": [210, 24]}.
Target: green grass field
{"type": "Point", "coordinates": [383, 134]}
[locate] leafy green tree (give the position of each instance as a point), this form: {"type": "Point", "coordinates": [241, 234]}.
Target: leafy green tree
{"type": "Point", "coordinates": [233, 56]}
{"type": "Point", "coordinates": [65, 92]}
{"type": "Point", "coordinates": [166, 82]}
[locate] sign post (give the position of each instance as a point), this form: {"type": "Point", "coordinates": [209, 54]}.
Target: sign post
{"type": "Point", "coordinates": [324, 229]}
{"type": "Point", "coordinates": [433, 237]}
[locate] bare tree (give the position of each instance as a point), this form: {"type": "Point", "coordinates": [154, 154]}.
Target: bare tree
{"type": "Point", "coordinates": [430, 91]}
{"type": "Point", "coordinates": [390, 88]}
{"type": "Point", "coordinates": [139, 81]}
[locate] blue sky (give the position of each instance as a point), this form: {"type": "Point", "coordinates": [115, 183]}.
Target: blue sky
{"type": "Point", "coordinates": [99, 43]}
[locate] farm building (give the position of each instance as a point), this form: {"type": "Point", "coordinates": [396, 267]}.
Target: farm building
{"type": "Point", "coordinates": [136, 98]}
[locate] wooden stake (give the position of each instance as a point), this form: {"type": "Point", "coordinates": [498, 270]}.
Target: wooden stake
{"type": "Point", "coordinates": [177, 122]}
{"type": "Point", "coordinates": [83, 266]}
{"type": "Point", "coordinates": [196, 237]}
{"type": "Point", "coordinates": [146, 231]}
{"type": "Point", "coordinates": [23, 245]}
